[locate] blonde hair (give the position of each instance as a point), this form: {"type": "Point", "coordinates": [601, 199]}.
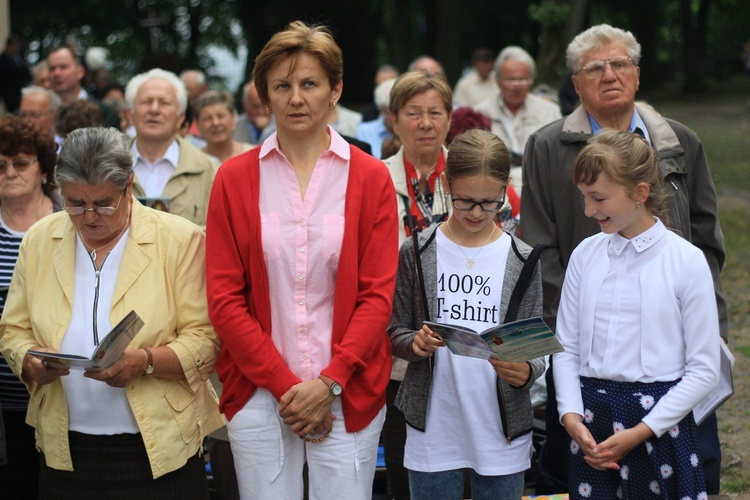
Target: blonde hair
{"type": "Point", "coordinates": [412, 83]}
{"type": "Point", "coordinates": [298, 38]}
{"type": "Point", "coordinates": [627, 159]}
{"type": "Point", "coordinates": [478, 152]}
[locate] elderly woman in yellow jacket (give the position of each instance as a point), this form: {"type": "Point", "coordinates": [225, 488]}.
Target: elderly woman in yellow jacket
{"type": "Point", "coordinates": [133, 430]}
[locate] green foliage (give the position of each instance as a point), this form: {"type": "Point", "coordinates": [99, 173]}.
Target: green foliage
{"type": "Point", "coordinates": [549, 13]}
{"type": "Point", "coordinates": [171, 33]}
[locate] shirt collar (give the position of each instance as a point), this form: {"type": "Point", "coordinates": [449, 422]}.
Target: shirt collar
{"type": "Point", "coordinates": [82, 94]}
{"type": "Point", "coordinates": [641, 242]}
{"type": "Point", "coordinates": [338, 145]}
{"type": "Point", "coordinates": [636, 122]}
{"type": "Point", "coordinates": [172, 155]}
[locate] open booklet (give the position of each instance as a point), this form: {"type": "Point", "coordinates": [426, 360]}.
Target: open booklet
{"type": "Point", "coordinates": [106, 354]}
{"type": "Point", "coordinates": [722, 392]}
{"type": "Point", "coordinates": [521, 340]}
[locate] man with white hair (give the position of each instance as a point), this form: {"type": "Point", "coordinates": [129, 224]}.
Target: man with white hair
{"type": "Point", "coordinates": [515, 113]}
{"type": "Point", "coordinates": [165, 164]}
{"type": "Point", "coordinates": [376, 131]}
{"type": "Point", "coordinates": [41, 106]}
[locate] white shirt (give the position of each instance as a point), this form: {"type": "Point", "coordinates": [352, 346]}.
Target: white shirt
{"type": "Point", "coordinates": [639, 310]}
{"type": "Point", "coordinates": [93, 406]}
{"type": "Point", "coordinates": [153, 177]}
{"type": "Point", "coordinates": [471, 89]}
{"type": "Point", "coordinates": [463, 426]}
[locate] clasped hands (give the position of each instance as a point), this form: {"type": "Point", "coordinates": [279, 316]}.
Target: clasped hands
{"type": "Point", "coordinates": [306, 408]}
{"type": "Point", "coordinates": [608, 453]}
{"type": "Point", "coordinates": [425, 344]}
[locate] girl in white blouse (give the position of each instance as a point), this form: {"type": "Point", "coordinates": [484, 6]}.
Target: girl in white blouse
{"type": "Point", "coordinates": [640, 329]}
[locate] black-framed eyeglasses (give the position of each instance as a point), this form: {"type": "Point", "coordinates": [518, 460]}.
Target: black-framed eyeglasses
{"type": "Point", "coordinates": [98, 210]}
{"type": "Point", "coordinates": [486, 205]}
{"type": "Point", "coordinates": [19, 163]}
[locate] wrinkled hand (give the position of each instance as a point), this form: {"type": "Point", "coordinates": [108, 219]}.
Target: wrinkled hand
{"type": "Point", "coordinates": [130, 366]}
{"type": "Point", "coordinates": [35, 371]}
{"type": "Point", "coordinates": [595, 456]}
{"type": "Point", "coordinates": [306, 408]}
{"type": "Point", "coordinates": [514, 373]}
{"type": "Point", "coordinates": [425, 343]}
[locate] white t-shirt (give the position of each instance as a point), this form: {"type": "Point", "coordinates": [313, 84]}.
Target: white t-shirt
{"type": "Point", "coordinates": [463, 426]}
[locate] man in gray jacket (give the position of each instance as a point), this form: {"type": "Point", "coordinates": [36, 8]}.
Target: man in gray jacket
{"type": "Point", "coordinates": [604, 62]}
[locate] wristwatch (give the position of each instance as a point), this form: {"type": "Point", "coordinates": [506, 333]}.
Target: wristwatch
{"type": "Point", "coordinates": [336, 389]}
{"type": "Point", "coordinates": [149, 364]}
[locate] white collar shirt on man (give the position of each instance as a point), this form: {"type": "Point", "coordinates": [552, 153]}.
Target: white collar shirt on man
{"type": "Point", "coordinates": [153, 177]}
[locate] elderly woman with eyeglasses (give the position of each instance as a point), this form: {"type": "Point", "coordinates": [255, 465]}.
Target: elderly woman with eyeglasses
{"type": "Point", "coordinates": [135, 429]}
{"type": "Point", "coordinates": [27, 193]}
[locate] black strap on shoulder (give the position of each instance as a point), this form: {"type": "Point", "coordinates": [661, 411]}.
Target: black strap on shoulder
{"type": "Point", "coordinates": [524, 279]}
{"type": "Point", "coordinates": [420, 273]}
{"type": "Point", "coordinates": [407, 207]}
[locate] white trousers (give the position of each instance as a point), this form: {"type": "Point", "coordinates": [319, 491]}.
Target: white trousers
{"type": "Point", "coordinates": [269, 457]}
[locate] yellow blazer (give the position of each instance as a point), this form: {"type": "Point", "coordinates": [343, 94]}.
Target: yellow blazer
{"type": "Point", "coordinates": [162, 278]}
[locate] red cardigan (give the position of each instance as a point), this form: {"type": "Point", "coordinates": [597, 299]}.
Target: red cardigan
{"type": "Point", "coordinates": [238, 295]}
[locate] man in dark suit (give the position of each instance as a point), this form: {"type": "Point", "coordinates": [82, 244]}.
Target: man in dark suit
{"type": "Point", "coordinates": [14, 73]}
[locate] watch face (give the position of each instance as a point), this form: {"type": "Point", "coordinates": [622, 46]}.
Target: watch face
{"type": "Point", "coordinates": [149, 370]}
{"type": "Point", "coordinates": [336, 389]}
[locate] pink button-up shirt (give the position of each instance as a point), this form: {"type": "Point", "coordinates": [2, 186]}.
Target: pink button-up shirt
{"type": "Point", "coordinates": [301, 245]}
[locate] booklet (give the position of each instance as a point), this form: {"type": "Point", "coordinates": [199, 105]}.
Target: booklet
{"type": "Point", "coordinates": [106, 354]}
{"type": "Point", "coordinates": [521, 340]}
{"type": "Point", "coordinates": [722, 392]}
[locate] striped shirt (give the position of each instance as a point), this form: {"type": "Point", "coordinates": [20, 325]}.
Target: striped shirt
{"type": "Point", "coordinates": [13, 394]}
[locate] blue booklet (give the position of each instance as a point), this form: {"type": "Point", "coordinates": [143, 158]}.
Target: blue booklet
{"type": "Point", "coordinates": [521, 340]}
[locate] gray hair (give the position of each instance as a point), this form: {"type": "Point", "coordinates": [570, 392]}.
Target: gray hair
{"type": "Point", "coordinates": [95, 156]}
{"type": "Point", "coordinates": [55, 103]}
{"type": "Point", "coordinates": [383, 93]}
{"type": "Point", "coordinates": [199, 77]}
{"type": "Point", "coordinates": [515, 53]}
{"type": "Point", "coordinates": [597, 37]}
{"type": "Point", "coordinates": [135, 84]}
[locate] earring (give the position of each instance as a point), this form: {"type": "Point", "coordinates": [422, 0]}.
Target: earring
{"type": "Point", "coordinates": [269, 110]}
{"type": "Point", "coordinates": [332, 106]}
{"type": "Point", "coordinates": [637, 204]}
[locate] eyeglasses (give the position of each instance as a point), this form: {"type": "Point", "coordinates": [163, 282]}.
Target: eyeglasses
{"type": "Point", "coordinates": [19, 163]}
{"type": "Point", "coordinates": [596, 69]}
{"type": "Point", "coordinates": [98, 210]}
{"type": "Point", "coordinates": [515, 82]}
{"type": "Point", "coordinates": [486, 206]}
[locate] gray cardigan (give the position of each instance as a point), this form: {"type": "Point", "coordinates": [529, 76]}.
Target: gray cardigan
{"type": "Point", "coordinates": [408, 316]}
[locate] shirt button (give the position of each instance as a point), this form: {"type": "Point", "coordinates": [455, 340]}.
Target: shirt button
{"type": "Point", "coordinates": [301, 224]}
{"type": "Point", "coordinates": [301, 276]}
{"type": "Point", "coordinates": [301, 302]}
{"type": "Point", "coordinates": [301, 250]}
{"type": "Point", "coordinates": [304, 357]}
{"type": "Point", "coordinates": [301, 329]}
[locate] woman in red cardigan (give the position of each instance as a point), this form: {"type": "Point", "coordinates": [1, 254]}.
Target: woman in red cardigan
{"type": "Point", "coordinates": [302, 240]}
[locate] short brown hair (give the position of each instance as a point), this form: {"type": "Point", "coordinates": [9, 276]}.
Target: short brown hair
{"type": "Point", "coordinates": [415, 82]}
{"type": "Point", "coordinates": [299, 38]}
{"type": "Point", "coordinates": [213, 97]}
{"type": "Point", "coordinates": [478, 152]}
{"type": "Point", "coordinates": [78, 114]}
{"type": "Point", "coordinates": [627, 159]}
{"type": "Point", "coordinates": [18, 135]}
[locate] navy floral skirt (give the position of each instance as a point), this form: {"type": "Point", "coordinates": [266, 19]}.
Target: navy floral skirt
{"type": "Point", "coordinates": [666, 468]}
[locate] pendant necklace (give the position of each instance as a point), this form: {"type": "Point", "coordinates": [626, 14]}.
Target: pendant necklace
{"type": "Point", "coordinates": [470, 261]}
{"type": "Point", "coordinates": [117, 238]}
